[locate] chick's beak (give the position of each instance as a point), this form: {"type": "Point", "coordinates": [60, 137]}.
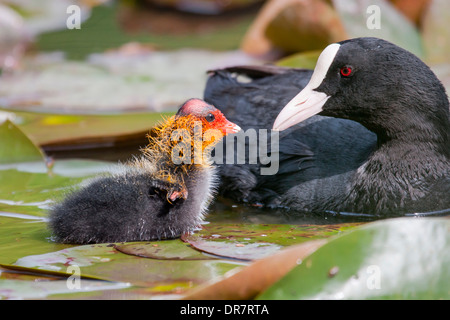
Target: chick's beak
{"type": "Point", "coordinates": [230, 127]}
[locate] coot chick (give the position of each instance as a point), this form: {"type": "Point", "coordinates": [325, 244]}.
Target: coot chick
{"type": "Point", "coordinates": [162, 194]}
{"type": "Point", "coordinates": [389, 138]}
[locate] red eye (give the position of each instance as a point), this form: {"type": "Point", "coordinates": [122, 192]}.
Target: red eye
{"type": "Point", "coordinates": [346, 71]}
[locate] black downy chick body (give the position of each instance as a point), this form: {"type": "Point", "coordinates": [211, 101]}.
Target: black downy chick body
{"type": "Point", "coordinates": [149, 198]}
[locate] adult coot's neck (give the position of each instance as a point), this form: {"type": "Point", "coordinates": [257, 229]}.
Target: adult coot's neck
{"type": "Point", "coordinates": [410, 115]}
{"type": "Point", "coordinates": [413, 154]}
{"type": "Point", "coordinates": [394, 94]}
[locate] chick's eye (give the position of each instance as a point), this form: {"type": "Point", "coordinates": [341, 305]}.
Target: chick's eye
{"type": "Point", "coordinates": [346, 71]}
{"type": "Point", "coordinates": [210, 117]}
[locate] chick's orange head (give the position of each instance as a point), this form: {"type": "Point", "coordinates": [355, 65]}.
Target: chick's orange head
{"type": "Point", "coordinates": [210, 117]}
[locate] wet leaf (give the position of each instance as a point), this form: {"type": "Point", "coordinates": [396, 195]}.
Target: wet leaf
{"type": "Point", "coordinates": [31, 187]}
{"type": "Point", "coordinates": [21, 237]}
{"type": "Point", "coordinates": [18, 289]}
{"type": "Point", "coordinates": [26, 246]}
{"type": "Point", "coordinates": [7, 273]}
{"type": "Point", "coordinates": [248, 282]}
{"type": "Point", "coordinates": [403, 258]}
{"type": "Point", "coordinates": [15, 146]}
{"type": "Point", "coordinates": [256, 241]}
{"type": "Point", "coordinates": [71, 135]}
{"type": "Point", "coordinates": [162, 250]}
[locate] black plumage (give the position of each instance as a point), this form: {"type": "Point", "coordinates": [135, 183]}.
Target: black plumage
{"type": "Point", "coordinates": [130, 206]}
{"type": "Point", "coordinates": [154, 196]}
{"type": "Point", "coordinates": [379, 145]}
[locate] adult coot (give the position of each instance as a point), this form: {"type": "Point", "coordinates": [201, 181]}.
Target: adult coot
{"type": "Point", "coordinates": [385, 151]}
{"type": "Point", "coordinates": [162, 194]}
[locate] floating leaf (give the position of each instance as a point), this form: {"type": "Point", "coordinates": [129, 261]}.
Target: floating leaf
{"type": "Point", "coordinates": [53, 130]}
{"type": "Point", "coordinates": [27, 190]}
{"type": "Point", "coordinates": [248, 282]}
{"type": "Point", "coordinates": [7, 273]}
{"type": "Point", "coordinates": [162, 250]}
{"type": "Point", "coordinates": [102, 261]}
{"type": "Point", "coordinates": [256, 241]}
{"type": "Point", "coordinates": [31, 187]}
{"type": "Point", "coordinates": [403, 258]}
{"type": "Point", "coordinates": [15, 146]}
{"type": "Point", "coordinates": [21, 237]}
{"type": "Point", "coordinates": [18, 289]}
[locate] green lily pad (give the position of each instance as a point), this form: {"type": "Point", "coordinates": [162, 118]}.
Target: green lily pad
{"type": "Point", "coordinates": [306, 60]}
{"type": "Point", "coordinates": [30, 187]}
{"type": "Point", "coordinates": [403, 258]}
{"type": "Point", "coordinates": [52, 129]}
{"type": "Point", "coordinates": [102, 261]}
{"type": "Point", "coordinates": [16, 146]}
{"type": "Point", "coordinates": [27, 190]}
{"type": "Point", "coordinates": [162, 250]}
{"type": "Point", "coordinates": [26, 246]}
{"type": "Point", "coordinates": [20, 237]}
{"type": "Point", "coordinates": [17, 289]}
{"type": "Point", "coordinates": [256, 241]}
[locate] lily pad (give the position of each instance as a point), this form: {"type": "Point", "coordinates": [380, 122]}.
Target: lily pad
{"type": "Point", "coordinates": [20, 237]}
{"type": "Point", "coordinates": [18, 289]}
{"type": "Point", "coordinates": [31, 187]}
{"type": "Point", "coordinates": [403, 258]}
{"type": "Point", "coordinates": [102, 261]}
{"type": "Point", "coordinates": [162, 250]}
{"type": "Point", "coordinates": [248, 282]}
{"type": "Point", "coordinates": [16, 146]}
{"type": "Point", "coordinates": [256, 241]}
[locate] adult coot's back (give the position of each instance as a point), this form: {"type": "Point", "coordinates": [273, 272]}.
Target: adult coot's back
{"type": "Point", "coordinates": [395, 161]}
